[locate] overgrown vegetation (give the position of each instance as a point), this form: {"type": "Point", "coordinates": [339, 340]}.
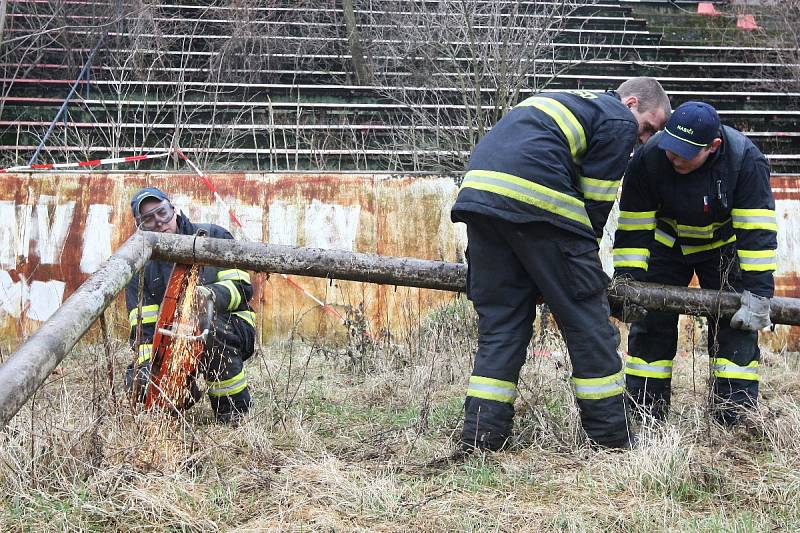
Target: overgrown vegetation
{"type": "Point", "coordinates": [340, 444]}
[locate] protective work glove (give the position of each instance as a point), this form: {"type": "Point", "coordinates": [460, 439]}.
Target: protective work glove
{"type": "Point", "coordinates": [753, 314]}
{"type": "Point", "coordinates": [204, 298]}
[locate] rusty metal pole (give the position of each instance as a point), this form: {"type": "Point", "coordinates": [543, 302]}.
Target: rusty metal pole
{"type": "Point", "coordinates": [339, 264]}
{"type": "Point", "coordinates": [32, 363]}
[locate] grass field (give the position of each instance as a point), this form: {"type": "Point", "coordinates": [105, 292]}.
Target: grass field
{"type": "Point", "coordinates": [356, 436]}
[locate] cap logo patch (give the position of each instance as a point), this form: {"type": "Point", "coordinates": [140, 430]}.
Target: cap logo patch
{"type": "Point", "coordinates": [684, 129]}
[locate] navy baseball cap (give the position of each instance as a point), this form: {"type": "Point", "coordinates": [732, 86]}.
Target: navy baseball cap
{"type": "Point", "coordinates": [144, 194]}
{"type": "Point", "coordinates": [691, 128]}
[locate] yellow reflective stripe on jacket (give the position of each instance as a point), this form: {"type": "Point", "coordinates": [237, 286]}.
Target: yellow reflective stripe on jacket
{"type": "Point", "coordinates": [636, 220]}
{"type": "Point", "coordinates": [664, 238]}
{"type": "Point", "coordinates": [528, 192]}
{"type": "Point", "coordinates": [149, 314]}
{"type": "Point", "coordinates": [247, 316]}
{"type": "Point", "coordinates": [725, 368]}
{"type": "Point", "coordinates": [687, 250]}
{"type": "Point", "coordinates": [757, 260]}
{"type": "Point", "coordinates": [492, 389]}
{"type": "Point", "coordinates": [600, 190]}
{"type": "Point", "coordinates": [233, 274]}
{"type": "Point", "coordinates": [635, 366]}
{"type": "Point", "coordinates": [145, 353]}
{"type": "Point", "coordinates": [229, 387]}
{"type": "Point", "coordinates": [631, 257]}
{"type": "Point", "coordinates": [599, 388]}
{"type": "Point", "coordinates": [754, 219]}
{"type": "Point", "coordinates": [236, 297]}
{"type": "Point", "coordinates": [569, 125]}
{"type": "Point", "coordinates": [699, 232]}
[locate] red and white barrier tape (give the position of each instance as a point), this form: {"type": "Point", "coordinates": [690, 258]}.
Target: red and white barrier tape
{"type": "Point", "coordinates": [86, 164]}
{"type": "Point", "coordinates": [211, 187]}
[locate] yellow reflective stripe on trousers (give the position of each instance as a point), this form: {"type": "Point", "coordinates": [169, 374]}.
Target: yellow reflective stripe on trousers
{"type": "Point", "coordinates": [699, 232]}
{"type": "Point", "coordinates": [569, 125]}
{"type": "Point", "coordinates": [229, 387]}
{"type": "Point", "coordinates": [527, 192]}
{"type": "Point", "coordinates": [600, 190]}
{"type": "Point", "coordinates": [754, 219]}
{"type": "Point", "coordinates": [145, 353]}
{"type": "Point", "coordinates": [236, 297]}
{"type": "Point", "coordinates": [233, 274]}
{"type": "Point", "coordinates": [664, 238]}
{"type": "Point", "coordinates": [636, 366]}
{"type": "Point", "coordinates": [631, 257]}
{"type": "Point", "coordinates": [492, 389]}
{"type": "Point", "coordinates": [757, 260]}
{"type": "Point", "coordinates": [636, 220]}
{"type": "Point", "coordinates": [725, 368]}
{"type": "Point", "coordinates": [247, 316]}
{"type": "Point", "coordinates": [687, 249]}
{"type": "Point", "coordinates": [599, 388]}
{"type": "Point", "coordinates": [149, 314]}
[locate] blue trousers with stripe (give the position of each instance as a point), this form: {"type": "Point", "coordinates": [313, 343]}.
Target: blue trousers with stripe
{"type": "Point", "coordinates": [510, 266]}
{"type": "Point", "coordinates": [656, 337]}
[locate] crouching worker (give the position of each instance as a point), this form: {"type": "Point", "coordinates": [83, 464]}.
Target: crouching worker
{"type": "Point", "coordinates": [231, 336]}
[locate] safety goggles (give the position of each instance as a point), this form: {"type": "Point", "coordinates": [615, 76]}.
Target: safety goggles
{"type": "Point", "coordinates": [157, 216]}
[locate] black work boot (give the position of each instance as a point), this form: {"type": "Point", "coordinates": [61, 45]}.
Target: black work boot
{"type": "Point", "coordinates": [487, 425]}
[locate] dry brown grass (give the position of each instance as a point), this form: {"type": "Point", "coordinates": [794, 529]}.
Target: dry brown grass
{"type": "Point", "coordinates": [344, 443]}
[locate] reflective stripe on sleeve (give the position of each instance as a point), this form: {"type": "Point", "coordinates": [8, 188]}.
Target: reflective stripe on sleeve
{"type": "Point", "coordinates": [754, 219]}
{"type": "Point", "coordinates": [149, 314]}
{"type": "Point", "coordinates": [687, 249]}
{"type": "Point", "coordinates": [229, 387]}
{"type": "Point", "coordinates": [599, 190]}
{"type": "Point", "coordinates": [635, 366]}
{"type": "Point", "coordinates": [631, 257]}
{"type": "Point", "coordinates": [145, 353]}
{"type": "Point", "coordinates": [757, 260]}
{"type": "Point", "coordinates": [527, 192]}
{"type": "Point", "coordinates": [599, 388]}
{"type": "Point", "coordinates": [233, 274]}
{"type": "Point", "coordinates": [247, 316]}
{"type": "Point", "coordinates": [569, 125]}
{"type": "Point", "coordinates": [236, 297]}
{"type": "Point", "coordinates": [725, 368]}
{"type": "Point", "coordinates": [636, 220]}
{"type": "Point", "coordinates": [492, 389]}
{"type": "Point", "coordinates": [664, 238]}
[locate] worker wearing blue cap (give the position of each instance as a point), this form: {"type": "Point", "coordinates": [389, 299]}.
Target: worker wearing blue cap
{"type": "Point", "coordinates": [231, 336]}
{"type": "Point", "coordinates": [696, 200]}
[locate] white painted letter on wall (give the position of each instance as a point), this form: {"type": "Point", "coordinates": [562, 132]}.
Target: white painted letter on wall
{"type": "Point", "coordinates": [282, 223]}
{"type": "Point", "coordinates": [96, 238]}
{"type": "Point", "coordinates": [51, 235]}
{"type": "Point", "coordinates": [15, 226]}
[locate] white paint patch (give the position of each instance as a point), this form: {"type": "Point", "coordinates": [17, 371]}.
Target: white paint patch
{"type": "Point", "coordinates": [96, 237]}
{"type": "Point", "coordinates": [15, 227]}
{"type": "Point", "coordinates": [51, 235]}
{"type": "Point", "coordinates": [282, 223]}
{"type": "Point", "coordinates": [331, 226]}
{"type": "Point", "coordinates": [12, 295]}
{"type": "Point", "coordinates": [44, 298]}
{"type": "Point", "coordinates": [786, 212]}
{"type": "Point", "coordinates": [252, 218]}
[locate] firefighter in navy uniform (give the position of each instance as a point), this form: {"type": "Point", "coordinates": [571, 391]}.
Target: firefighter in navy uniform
{"type": "Point", "coordinates": [232, 337]}
{"type": "Point", "coordinates": [697, 200]}
{"type": "Point", "coordinates": [535, 199]}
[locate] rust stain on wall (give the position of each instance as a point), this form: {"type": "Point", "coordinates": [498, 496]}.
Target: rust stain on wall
{"type": "Point", "coordinates": [55, 229]}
